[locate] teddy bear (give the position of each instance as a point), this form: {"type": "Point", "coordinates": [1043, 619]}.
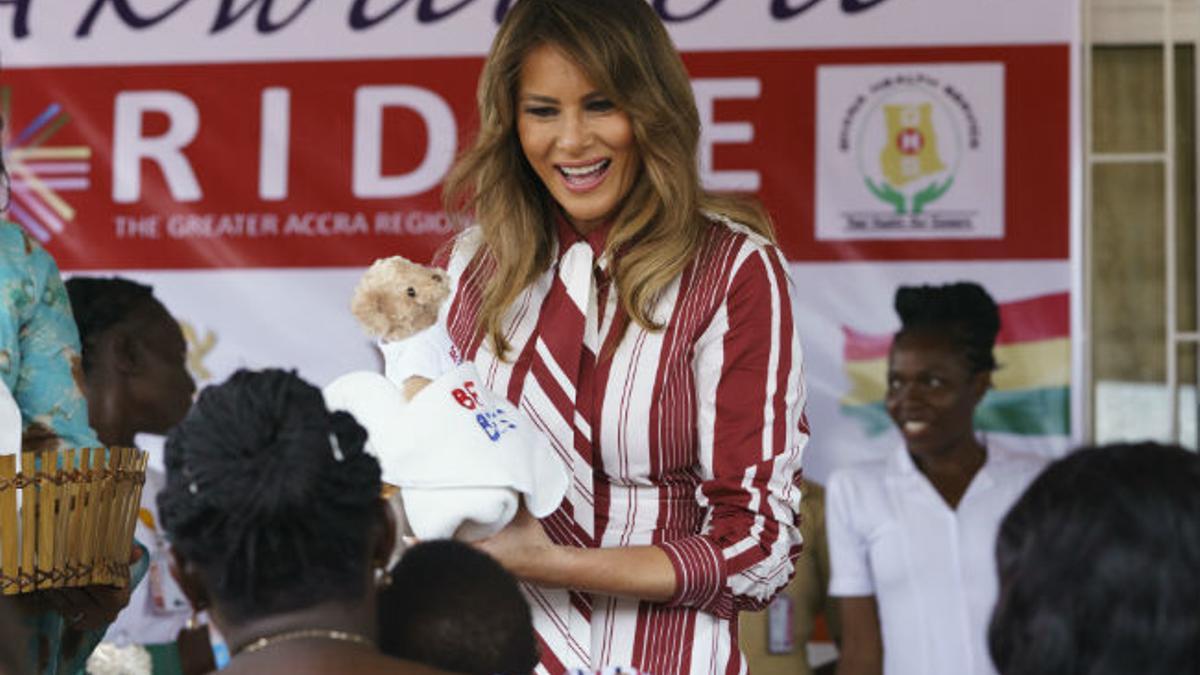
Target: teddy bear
{"type": "Point", "coordinates": [396, 301]}
{"type": "Point", "coordinates": [459, 460]}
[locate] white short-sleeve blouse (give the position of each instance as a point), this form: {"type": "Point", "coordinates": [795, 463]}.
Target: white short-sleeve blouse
{"type": "Point", "coordinates": [931, 568]}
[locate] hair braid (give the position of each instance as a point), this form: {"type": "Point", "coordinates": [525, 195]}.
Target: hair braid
{"type": "Point", "coordinates": [963, 310]}
{"type": "Point", "coordinates": [270, 494]}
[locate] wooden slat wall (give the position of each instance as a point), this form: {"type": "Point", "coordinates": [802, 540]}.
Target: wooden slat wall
{"type": "Point", "coordinates": [1128, 312]}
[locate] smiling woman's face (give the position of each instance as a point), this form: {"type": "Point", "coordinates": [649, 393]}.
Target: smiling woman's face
{"type": "Point", "coordinates": [931, 392]}
{"type": "Point", "coordinates": [578, 142]}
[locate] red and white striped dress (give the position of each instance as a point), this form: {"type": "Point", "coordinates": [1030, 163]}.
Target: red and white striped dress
{"type": "Point", "coordinates": [688, 438]}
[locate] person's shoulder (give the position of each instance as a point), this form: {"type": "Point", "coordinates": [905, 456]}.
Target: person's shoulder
{"type": "Point", "coordinates": [722, 227]}
{"type": "Point", "coordinates": [463, 248]}
{"type": "Point", "coordinates": [856, 496]}
{"type": "Point", "coordinates": [23, 258]}
{"type": "Point", "coordinates": [1012, 462]}
{"type": "Point", "coordinates": [466, 241]}
{"type": "Point", "coordinates": [15, 242]}
{"type": "Point", "coordinates": [865, 474]}
{"type": "Point", "coordinates": [10, 230]}
{"type": "Point", "coordinates": [740, 250]}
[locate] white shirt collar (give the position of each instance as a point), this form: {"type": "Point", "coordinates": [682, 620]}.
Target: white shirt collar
{"type": "Point", "coordinates": [901, 467]}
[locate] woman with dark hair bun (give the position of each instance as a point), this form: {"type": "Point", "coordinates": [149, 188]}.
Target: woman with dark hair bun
{"type": "Point", "coordinates": [1099, 567]}
{"type": "Point", "coordinates": [276, 524]}
{"type": "Point", "coordinates": [910, 535]}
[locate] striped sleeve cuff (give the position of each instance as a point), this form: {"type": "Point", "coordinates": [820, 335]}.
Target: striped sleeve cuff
{"type": "Point", "coordinates": [699, 575]}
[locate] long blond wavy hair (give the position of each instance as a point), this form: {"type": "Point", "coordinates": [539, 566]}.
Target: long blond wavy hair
{"type": "Point", "coordinates": [628, 56]}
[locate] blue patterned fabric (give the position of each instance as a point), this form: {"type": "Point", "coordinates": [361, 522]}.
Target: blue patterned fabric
{"type": "Point", "coordinates": [39, 343]}
{"type": "Point", "coordinates": [39, 363]}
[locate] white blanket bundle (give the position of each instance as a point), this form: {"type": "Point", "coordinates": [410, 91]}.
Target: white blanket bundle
{"type": "Point", "coordinates": [463, 457]}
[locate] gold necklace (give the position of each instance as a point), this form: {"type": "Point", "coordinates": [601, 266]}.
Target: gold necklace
{"type": "Point", "coordinates": [305, 633]}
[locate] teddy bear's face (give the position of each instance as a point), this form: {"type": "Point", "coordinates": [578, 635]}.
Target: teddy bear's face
{"type": "Point", "coordinates": [420, 294]}
{"type": "Point", "coordinates": [397, 298]}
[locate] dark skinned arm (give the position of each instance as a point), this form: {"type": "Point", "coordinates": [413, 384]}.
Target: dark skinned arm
{"type": "Point", "coordinates": [862, 639]}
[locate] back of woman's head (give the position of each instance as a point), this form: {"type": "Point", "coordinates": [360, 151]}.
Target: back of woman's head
{"type": "Point", "coordinates": [1099, 566]}
{"type": "Point", "coordinates": [270, 496]}
{"type": "Point", "coordinates": [963, 312]}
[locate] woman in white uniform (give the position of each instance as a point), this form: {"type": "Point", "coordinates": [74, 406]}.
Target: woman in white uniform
{"type": "Point", "coordinates": [912, 535]}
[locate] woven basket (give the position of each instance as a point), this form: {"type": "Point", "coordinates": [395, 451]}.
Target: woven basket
{"type": "Point", "coordinates": [67, 517]}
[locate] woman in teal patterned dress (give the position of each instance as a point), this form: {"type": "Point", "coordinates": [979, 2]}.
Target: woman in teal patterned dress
{"type": "Point", "coordinates": [39, 363]}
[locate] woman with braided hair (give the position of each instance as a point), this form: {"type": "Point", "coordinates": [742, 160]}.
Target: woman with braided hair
{"type": "Point", "coordinates": [276, 524]}
{"type": "Point", "coordinates": [911, 535]}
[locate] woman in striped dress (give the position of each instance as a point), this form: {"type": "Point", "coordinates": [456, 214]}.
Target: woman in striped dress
{"type": "Point", "coordinates": [645, 326]}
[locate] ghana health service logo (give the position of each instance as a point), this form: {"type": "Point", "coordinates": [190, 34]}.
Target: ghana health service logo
{"type": "Point", "coordinates": [40, 172]}
{"type": "Point", "coordinates": [910, 152]}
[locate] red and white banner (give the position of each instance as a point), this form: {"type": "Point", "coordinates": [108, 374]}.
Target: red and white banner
{"type": "Point", "coordinates": [249, 157]}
